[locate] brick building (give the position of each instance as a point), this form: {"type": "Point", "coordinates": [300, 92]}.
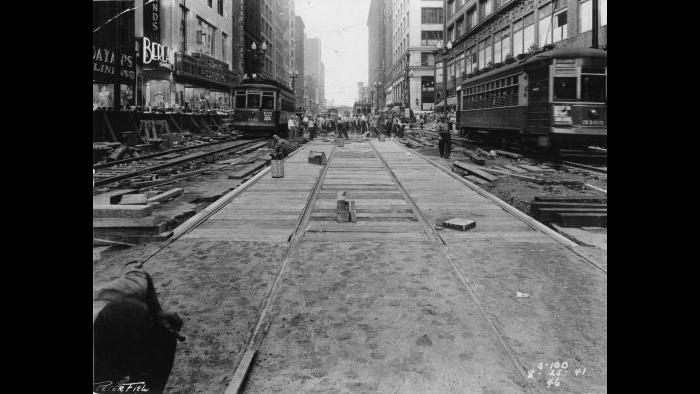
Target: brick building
{"type": "Point", "coordinates": [483, 33]}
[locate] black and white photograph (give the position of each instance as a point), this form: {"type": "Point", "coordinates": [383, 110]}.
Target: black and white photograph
{"type": "Point", "coordinates": [349, 196]}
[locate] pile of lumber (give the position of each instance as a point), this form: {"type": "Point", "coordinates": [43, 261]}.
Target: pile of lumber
{"type": "Point", "coordinates": [573, 211]}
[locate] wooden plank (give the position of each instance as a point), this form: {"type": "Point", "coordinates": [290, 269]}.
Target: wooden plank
{"type": "Point", "coordinates": [148, 221]}
{"type": "Point", "coordinates": [582, 219]}
{"type": "Point", "coordinates": [519, 176]}
{"type": "Point", "coordinates": [549, 214]}
{"type": "Point", "coordinates": [475, 158]}
{"type": "Point", "coordinates": [172, 193]}
{"type": "Point", "coordinates": [509, 154]}
{"type": "Point", "coordinates": [476, 179]}
{"type": "Point", "coordinates": [247, 170]}
{"type": "Point", "coordinates": [548, 204]}
{"type": "Point", "coordinates": [531, 168]}
{"type": "Point", "coordinates": [121, 211]}
{"type": "Point", "coordinates": [474, 170]}
{"type": "Point", "coordinates": [518, 169]}
{"type": "Point", "coordinates": [596, 188]}
{"type": "Point", "coordinates": [133, 199]}
{"type": "Point", "coordinates": [580, 199]}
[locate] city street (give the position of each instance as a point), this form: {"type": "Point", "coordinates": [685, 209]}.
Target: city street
{"type": "Point", "coordinates": [376, 196]}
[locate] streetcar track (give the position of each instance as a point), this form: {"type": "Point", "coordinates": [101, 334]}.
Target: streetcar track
{"type": "Point", "coordinates": [435, 237]}
{"type": "Point", "coordinates": [115, 175]}
{"type": "Point", "coordinates": [258, 335]}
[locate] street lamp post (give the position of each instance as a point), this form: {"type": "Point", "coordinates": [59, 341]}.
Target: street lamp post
{"type": "Point", "coordinates": [259, 55]}
{"type": "Point", "coordinates": [293, 76]}
{"type": "Point", "coordinates": [377, 86]}
{"type": "Point", "coordinates": [444, 50]}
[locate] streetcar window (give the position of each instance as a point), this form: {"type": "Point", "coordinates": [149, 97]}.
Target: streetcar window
{"type": "Point", "coordinates": [253, 100]}
{"type": "Point", "coordinates": [564, 88]}
{"type": "Point", "coordinates": [593, 88]}
{"type": "Point", "coordinates": [268, 101]}
{"type": "Point", "coordinates": [240, 99]}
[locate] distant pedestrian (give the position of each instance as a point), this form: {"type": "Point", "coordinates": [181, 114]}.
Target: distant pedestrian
{"type": "Point", "coordinates": [312, 129]}
{"type": "Point", "coordinates": [444, 138]}
{"type": "Point", "coordinates": [292, 128]}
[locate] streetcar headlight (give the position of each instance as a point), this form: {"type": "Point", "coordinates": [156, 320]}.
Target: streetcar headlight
{"type": "Point", "coordinates": [593, 114]}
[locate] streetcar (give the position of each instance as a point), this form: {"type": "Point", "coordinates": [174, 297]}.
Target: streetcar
{"type": "Point", "coordinates": [550, 100]}
{"type": "Point", "coordinates": [262, 108]}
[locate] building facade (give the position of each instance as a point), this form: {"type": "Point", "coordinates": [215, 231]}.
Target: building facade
{"type": "Point", "coordinates": [185, 53]}
{"type": "Point", "coordinates": [314, 74]}
{"type": "Point", "coordinates": [300, 82]}
{"type": "Point", "coordinates": [269, 22]}
{"type": "Point", "coordinates": [416, 27]}
{"type": "Point", "coordinates": [487, 33]}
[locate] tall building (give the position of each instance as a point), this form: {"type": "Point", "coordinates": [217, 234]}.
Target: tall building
{"type": "Point", "coordinates": [313, 70]}
{"type": "Point", "coordinates": [300, 83]}
{"type": "Point", "coordinates": [268, 21]}
{"type": "Point", "coordinates": [486, 33]}
{"type": "Point", "coordinates": [362, 92]}
{"type": "Point", "coordinates": [416, 25]}
{"type": "Point", "coordinates": [379, 26]}
{"type": "Point", "coordinates": [184, 53]}
{"type": "Point", "coordinates": [322, 87]}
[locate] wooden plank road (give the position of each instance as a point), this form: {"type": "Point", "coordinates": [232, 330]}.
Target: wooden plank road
{"type": "Point", "coordinates": [386, 304]}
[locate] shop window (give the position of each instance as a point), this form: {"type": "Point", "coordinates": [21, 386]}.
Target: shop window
{"type": "Point", "coordinates": [545, 25]}
{"type": "Point", "coordinates": [529, 32]}
{"type": "Point", "coordinates": [560, 26]}
{"type": "Point", "coordinates": [564, 88]}
{"type": "Point", "coordinates": [497, 50]}
{"type": "Point", "coordinates": [585, 15]}
{"type": "Point", "coordinates": [102, 96]}
{"type": "Point", "coordinates": [505, 43]}
{"type": "Point", "coordinates": [126, 95]}
{"type": "Point", "coordinates": [518, 38]}
{"type": "Point", "coordinates": [158, 93]}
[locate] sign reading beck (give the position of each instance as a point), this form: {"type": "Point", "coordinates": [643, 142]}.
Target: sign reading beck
{"type": "Point", "coordinates": [155, 52]}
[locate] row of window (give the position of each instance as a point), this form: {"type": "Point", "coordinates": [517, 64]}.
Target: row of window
{"type": "Point", "coordinates": [219, 6]}
{"type": "Point", "coordinates": [551, 29]}
{"type": "Point", "coordinates": [205, 35]}
{"type": "Point", "coordinates": [501, 92]}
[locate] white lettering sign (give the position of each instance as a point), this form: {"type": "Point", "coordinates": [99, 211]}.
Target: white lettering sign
{"type": "Point", "coordinates": [153, 51]}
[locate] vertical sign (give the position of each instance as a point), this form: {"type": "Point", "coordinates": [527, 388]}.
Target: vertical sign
{"type": "Point", "coordinates": [151, 19]}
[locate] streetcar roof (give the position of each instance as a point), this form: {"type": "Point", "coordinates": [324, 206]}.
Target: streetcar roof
{"type": "Point", "coordinates": [263, 83]}
{"type": "Point", "coordinates": [556, 53]}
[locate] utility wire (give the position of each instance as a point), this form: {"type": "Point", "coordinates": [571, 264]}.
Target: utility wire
{"type": "Point", "coordinates": [120, 14]}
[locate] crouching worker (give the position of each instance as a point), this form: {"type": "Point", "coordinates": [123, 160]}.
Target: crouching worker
{"type": "Point", "coordinates": [282, 147]}
{"type": "Point", "coordinates": [134, 339]}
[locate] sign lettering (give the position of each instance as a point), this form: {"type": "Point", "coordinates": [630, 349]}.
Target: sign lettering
{"type": "Point", "coordinates": [155, 52]}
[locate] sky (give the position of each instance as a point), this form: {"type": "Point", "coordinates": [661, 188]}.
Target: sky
{"type": "Point", "coordinates": [342, 27]}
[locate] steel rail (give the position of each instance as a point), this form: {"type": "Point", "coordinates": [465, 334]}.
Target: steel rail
{"type": "Point", "coordinates": [121, 177]}
{"type": "Point", "coordinates": [158, 154]}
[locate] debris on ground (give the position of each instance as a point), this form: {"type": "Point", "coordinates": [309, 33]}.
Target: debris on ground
{"type": "Point", "coordinates": [459, 224]}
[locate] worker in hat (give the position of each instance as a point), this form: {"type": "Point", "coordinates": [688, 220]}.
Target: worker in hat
{"type": "Point", "coordinates": [282, 147]}
{"type": "Point", "coordinates": [444, 138]}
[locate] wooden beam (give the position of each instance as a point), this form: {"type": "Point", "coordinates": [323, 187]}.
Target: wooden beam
{"type": "Point", "coordinates": [172, 193]}
{"type": "Point", "coordinates": [509, 154]}
{"type": "Point", "coordinates": [121, 211]}
{"type": "Point", "coordinates": [582, 219]}
{"type": "Point", "coordinates": [593, 199]}
{"type": "Point", "coordinates": [549, 214]}
{"type": "Point", "coordinates": [473, 170]}
{"type": "Point", "coordinates": [148, 221]}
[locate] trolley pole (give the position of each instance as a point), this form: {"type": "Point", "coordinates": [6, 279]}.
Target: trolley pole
{"type": "Point", "coordinates": [594, 38]}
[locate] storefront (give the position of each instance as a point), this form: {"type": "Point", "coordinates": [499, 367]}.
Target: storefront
{"type": "Point", "coordinates": [202, 82]}
{"type": "Point", "coordinates": [155, 82]}
{"type": "Point", "coordinates": [113, 57]}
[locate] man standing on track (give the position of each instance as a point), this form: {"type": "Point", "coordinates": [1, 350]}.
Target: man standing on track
{"type": "Point", "coordinates": [445, 138]}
